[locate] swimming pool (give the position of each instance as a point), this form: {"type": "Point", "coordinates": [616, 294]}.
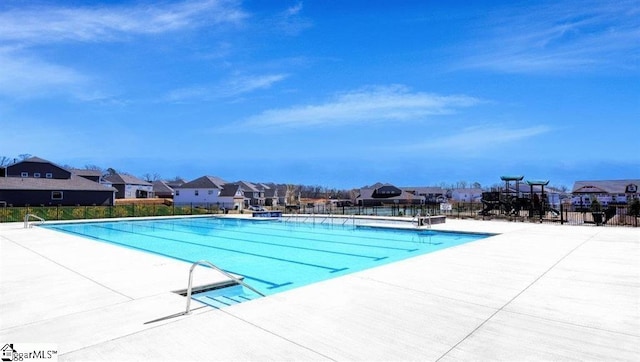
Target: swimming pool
{"type": "Point", "coordinates": [272, 255]}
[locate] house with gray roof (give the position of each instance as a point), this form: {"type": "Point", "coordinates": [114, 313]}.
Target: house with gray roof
{"type": "Point", "coordinates": [607, 192]}
{"type": "Point", "coordinates": [204, 190]}
{"type": "Point", "coordinates": [162, 190]}
{"type": "Point", "coordinates": [271, 195]}
{"type": "Point", "coordinates": [35, 181]}
{"type": "Point", "coordinates": [232, 197]}
{"type": "Point", "coordinates": [130, 187]}
{"type": "Point", "coordinates": [433, 194]}
{"type": "Point", "coordinates": [470, 194]}
{"type": "Point", "coordinates": [91, 175]}
{"type": "Point", "coordinates": [253, 193]}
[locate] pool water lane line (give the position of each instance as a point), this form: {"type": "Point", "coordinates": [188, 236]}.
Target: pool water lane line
{"type": "Point", "coordinates": [317, 230]}
{"type": "Point", "coordinates": [273, 255]}
{"type": "Point", "coordinates": [272, 285]}
{"type": "Point", "coordinates": [248, 241]}
{"type": "Point", "coordinates": [376, 258]}
{"type": "Point", "coordinates": [330, 269]}
{"type": "Point", "coordinates": [310, 239]}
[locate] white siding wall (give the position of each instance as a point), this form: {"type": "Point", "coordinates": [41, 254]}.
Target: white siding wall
{"type": "Point", "coordinates": [603, 199]}
{"type": "Point", "coordinates": [466, 195]}
{"type": "Point", "coordinates": [197, 196]}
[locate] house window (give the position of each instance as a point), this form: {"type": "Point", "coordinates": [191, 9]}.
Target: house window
{"type": "Point", "coordinates": [210, 192]}
{"type": "Point", "coordinates": [177, 192]}
{"type": "Point", "coordinates": [56, 195]}
{"type": "Point", "coordinates": [36, 174]}
{"type": "Point", "coordinates": [196, 192]}
{"type": "Point", "coordinates": [24, 174]}
{"type": "Point", "coordinates": [48, 175]}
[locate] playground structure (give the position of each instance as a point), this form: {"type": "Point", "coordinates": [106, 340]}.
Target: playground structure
{"type": "Point", "coordinates": [513, 201]}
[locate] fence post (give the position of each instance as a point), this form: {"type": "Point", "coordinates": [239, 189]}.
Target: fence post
{"type": "Point", "coordinates": [561, 214]}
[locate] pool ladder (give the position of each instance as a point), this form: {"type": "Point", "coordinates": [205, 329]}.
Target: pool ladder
{"type": "Point", "coordinates": [420, 220]}
{"type": "Point", "coordinates": [26, 220]}
{"type": "Point", "coordinates": [210, 265]}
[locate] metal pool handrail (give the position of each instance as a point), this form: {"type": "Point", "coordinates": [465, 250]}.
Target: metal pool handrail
{"type": "Point", "coordinates": [26, 220]}
{"type": "Point", "coordinates": [207, 263]}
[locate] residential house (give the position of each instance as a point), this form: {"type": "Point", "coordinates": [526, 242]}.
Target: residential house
{"type": "Point", "coordinates": [271, 195]}
{"type": "Point", "coordinates": [162, 190]}
{"type": "Point", "coordinates": [91, 175]}
{"type": "Point", "coordinates": [130, 187]}
{"type": "Point", "coordinates": [430, 194]}
{"type": "Point", "coordinates": [177, 182]}
{"type": "Point", "coordinates": [35, 181]}
{"type": "Point", "coordinates": [253, 193]}
{"type": "Point", "coordinates": [607, 192]}
{"type": "Point", "coordinates": [466, 194]}
{"type": "Point", "coordinates": [232, 197]}
{"type": "Point", "coordinates": [201, 191]}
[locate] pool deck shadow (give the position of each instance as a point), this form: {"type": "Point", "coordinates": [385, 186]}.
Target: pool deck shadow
{"type": "Point", "coordinates": [531, 292]}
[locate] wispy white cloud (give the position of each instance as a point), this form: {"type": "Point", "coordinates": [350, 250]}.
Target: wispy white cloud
{"type": "Point", "coordinates": [295, 9]}
{"type": "Point", "coordinates": [480, 137]}
{"type": "Point", "coordinates": [291, 21]}
{"type": "Point", "coordinates": [231, 88]}
{"type": "Point", "coordinates": [25, 72]}
{"type": "Point", "coordinates": [369, 104]}
{"type": "Point", "coordinates": [46, 24]}
{"type": "Point", "coordinates": [559, 36]}
{"type": "Point", "coordinates": [26, 77]}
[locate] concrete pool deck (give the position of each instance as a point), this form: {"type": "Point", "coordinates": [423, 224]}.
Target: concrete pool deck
{"type": "Point", "coordinates": [533, 292]}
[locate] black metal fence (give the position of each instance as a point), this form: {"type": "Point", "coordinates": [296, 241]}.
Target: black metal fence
{"type": "Point", "coordinates": [616, 216]}
{"type": "Point", "coordinates": [620, 215]}
{"type": "Point", "coordinates": [13, 214]}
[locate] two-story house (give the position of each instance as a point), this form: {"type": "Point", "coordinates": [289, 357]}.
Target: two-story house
{"type": "Point", "coordinates": [130, 187]}
{"type": "Point", "coordinates": [204, 190]}
{"type": "Point", "coordinates": [35, 181]}
{"type": "Point", "coordinates": [607, 192]}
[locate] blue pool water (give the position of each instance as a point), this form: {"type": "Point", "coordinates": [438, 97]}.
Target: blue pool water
{"type": "Point", "coordinates": [273, 256]}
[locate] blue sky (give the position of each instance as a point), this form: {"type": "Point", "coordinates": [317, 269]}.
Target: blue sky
{"type": "Point", "coordinates": [332, 93]}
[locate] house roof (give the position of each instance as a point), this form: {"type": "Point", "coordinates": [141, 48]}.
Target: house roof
{"type": "Point", "coordinates": [204, 182]}
{"type": "Point", "coordinates": [229, 190]}
{"type": "Point", "coordinates": [122, 179]}
{"type": "Point", "coordinates": [605, 186]}
{"type": "Point", "coordinates": [161, 187]}
{"type": "Point", "coordinates": [35, 159]}
{"type": "Point", "coordinates": [270, 192]}
{"type": "Point", "coordinates": [176, 182]}
{"type": "Point", "coordinates": [420, 190]}
{"type": "Point", "coordinates": [248, 186]}
{"type": "Point", "coordinates": [92, 173]}
{"type": "Point", "coordinates": [468, 190]}
{"type": "Point", "coordinates": [76, 183]}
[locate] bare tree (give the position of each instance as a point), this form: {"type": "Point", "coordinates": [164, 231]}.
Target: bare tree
{"type": "Point", "coordinates": [151, 178]}
{"type": "Point", "coordinates": [24, 156]}
{"type": "Point", "coordinates": [93, 168]}
{"type": "Point", "coordinates": [4, 161]}
{"type": "Point", "coordinates": [292, 195]}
